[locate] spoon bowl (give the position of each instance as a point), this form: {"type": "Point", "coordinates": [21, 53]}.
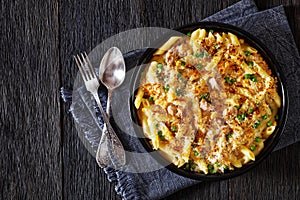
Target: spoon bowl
{"type": "Point", "coordinates": [112, 68]}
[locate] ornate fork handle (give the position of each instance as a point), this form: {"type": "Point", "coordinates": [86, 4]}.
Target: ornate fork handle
{"type": "Point", "coordinates": [114, 146]}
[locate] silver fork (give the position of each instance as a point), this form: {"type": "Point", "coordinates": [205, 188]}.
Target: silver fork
{"type": "Point", "coordinates": [115, 147]}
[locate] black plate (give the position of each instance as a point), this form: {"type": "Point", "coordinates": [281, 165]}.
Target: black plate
{"type": "Point", "coordinates": [273, 139]}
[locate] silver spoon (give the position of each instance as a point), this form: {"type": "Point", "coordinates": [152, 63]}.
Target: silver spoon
{"type": "Point", "coordinates": [112, 74]}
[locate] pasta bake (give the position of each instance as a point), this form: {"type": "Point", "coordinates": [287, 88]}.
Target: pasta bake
{"type": "Point", "coordinates": [208, 101]}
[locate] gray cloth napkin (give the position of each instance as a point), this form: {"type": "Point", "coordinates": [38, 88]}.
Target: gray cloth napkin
{"type": "Point", "coordinates": [269, 26]}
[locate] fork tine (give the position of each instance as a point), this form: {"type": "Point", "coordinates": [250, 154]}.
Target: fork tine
{"type": "Point", "coordinates": [83, 67]}
{"type": "Point", "coordinates": [87, 66]}
{"type": "Point", "coordinates": [90, 65]}
{"type": "Point", "coordinates": [79, 65]}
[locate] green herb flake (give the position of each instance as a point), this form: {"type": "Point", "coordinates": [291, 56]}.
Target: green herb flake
{"type": "Point", "coordinates": [253, 78]}
{"type": "Point", "coordinates": [193, 165]}
{"type": "Point", "coordinates": [217, 46]}
{"type": "Point", "coordinates": [250, 110]}
{"type": "Point", "coordinates": [178, 91]}
{"type": "Point", "coordinates": [270, 123]}
{"type": "Point", "coordinates": [183, 63]}
{"type": "Point", "coordinates": [238, 107]}
{"type": "Point", "coordinates": [151, 99]}
{"type": "Point", "coordinates": [252, 148]}
{"type": "Point", "coordinates": [211, 31]}
{"type": "Point", "coordinates": [187, 166]}
{"type": "Point", "coordinates": [199, 66]}
{"type": "Point", "coordinates": [250, 63]}
{"type": "Point", "coordinates": [201, 55]}
{"type": "Point", "coordinates": [229, 80]}
{"type": "Point", "coordinates": [167, 88]}
{"type": "Point", "coordinates": [276, 117]}
{"type": "Point", "coordinates": [229, 135]}
{"type": "Point", "coordinates": [205, 96]}
{"type": "Point", "coordinates": [256, 124]}
{"type": "Point", "coordinates": [173, 128]}
{"type": "Point", "coordinates": [247, 53]}
{"type": "Point", "coordinates": [257, 139]}
{"type": "Point", "coordinates": [264, 117]}
{"type": "Point", "coordinates": [241, 117]}
{"type": "Point", "coordinates": [247, 76]}
{"type": "Point", "coordinates": [160, 66]}
{"type": "Point", "coordinates": [189, 34]}
{"type": "Point", "coordinates": [196, 153]}
{"type": "Point", "coordinates": [159, 133]}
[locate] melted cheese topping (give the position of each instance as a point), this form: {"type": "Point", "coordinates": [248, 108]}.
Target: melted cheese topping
{"type": "Point", "coordinates": [208, 102]}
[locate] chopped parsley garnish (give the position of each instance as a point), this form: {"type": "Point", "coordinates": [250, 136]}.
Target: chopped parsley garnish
{"type": "Point", "coordinates": [269, 123]}
{"type": "Point", "coordinates": [276, 117]}
{"type": "Point", "coordinates": [247, 76]}
{"type": "Point", "coordinates": [151, 99]}
{"type": "Point", "coordinates": [156, 125]}
{"type": "Point", "coordinates": [264, 116]}
{"type": "Point", "coordinates": [167, 87]}
{"type": "Point", "coordinates": [252, 77]}
{"type": "Point", "coordinates": [257, 139]}
{"type": "Point", "coordinates": [250, 110]}
{"type": "Point", "coordinates": [258, 104]}
{"type": "Point", "coordinates": [241, 117]}
{"type": "Point", "coordinates": [229, 135]}
{"type": "Point", "coordinates": [183, 63]}
{"type": "Point", "coordinates": [250, 63]}
{"type": "Point", "coordinates": [196, 153]}
{"type": "Point", "coordinates": [178, 91]}
{"type": "Point", "coordinates": [211, 31]}
{"type": "Point", "coordinates": [189, 34]}
{"type": "Point", "coordinates": [256, 124]}
{"type": "Point", "coordinates": [161, 136]}
{"type": "Point", "coordinates": [229, 80]}
{"type": "Point", "coordinates": [205, 96]}
{"type": "Point", "coordinates": [199, 66]}
{"type": "Point", "coordinates": [206, 53]}
{"type": "Point", "coordinates": [252, 148]}
{"type": "Point", "coordinates": [160, 66]}
{"type": "Point", "coordinates": [217, 46]}
{"type": "Point", "coordinates": [190, 165]}
{"type": "Point", "coordinates": [198, 55]}
{"type": "Point", "coordinates": [173, 128]}
{"type": "Point", "coordinates": [247, 53]}
{"type": "Point", "coordinates": [211, 168]}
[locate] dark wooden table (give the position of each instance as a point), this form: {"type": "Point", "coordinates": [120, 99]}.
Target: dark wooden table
{"type": "Point", "coordinates": [41, 154]}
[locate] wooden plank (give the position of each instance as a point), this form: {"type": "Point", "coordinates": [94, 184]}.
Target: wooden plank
{"type": "Point", "coordinates": [30, 164]}
{"type": "Point", "coordinates": [83, 24]}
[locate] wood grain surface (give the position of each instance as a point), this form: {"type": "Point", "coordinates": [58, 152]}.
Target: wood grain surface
{"type": "Point", "coordinates": [41, 154]}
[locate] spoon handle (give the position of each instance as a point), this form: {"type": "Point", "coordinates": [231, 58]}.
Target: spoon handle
{"type": "Point", "coordinates": [110, 145]}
